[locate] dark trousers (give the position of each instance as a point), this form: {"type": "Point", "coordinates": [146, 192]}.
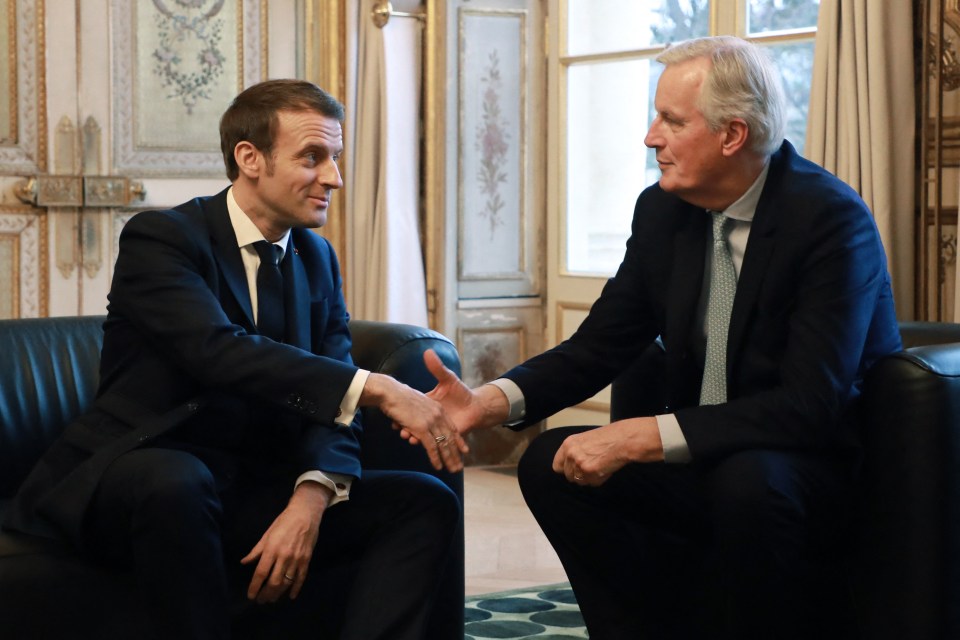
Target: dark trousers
{"type": "Point", "coordinates": [184, 528]}
{"type": "Point", "coordinates": [730, 550]}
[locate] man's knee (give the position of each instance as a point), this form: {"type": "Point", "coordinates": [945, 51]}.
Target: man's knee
{"type": "Point", "coordinates": [407, 495]}
{"type": "Point", "coordinates": [535, 469]}
{"type": "Point", "coordinates": [168, 483]}
{"type": "Point", "coordinates": [442, 503]}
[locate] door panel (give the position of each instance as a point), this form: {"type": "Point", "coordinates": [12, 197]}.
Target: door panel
{"type": "Point", "coordinates": [494, 95]}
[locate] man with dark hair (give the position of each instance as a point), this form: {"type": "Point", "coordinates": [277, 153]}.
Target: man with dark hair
{"type": "Point", "coordinates": [764, 277]}
{"type": "Point", "coordinates": [222, 455]}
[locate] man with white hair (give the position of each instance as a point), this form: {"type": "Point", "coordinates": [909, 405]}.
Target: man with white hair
{"type": "Point", "coordinates": [765, 280]}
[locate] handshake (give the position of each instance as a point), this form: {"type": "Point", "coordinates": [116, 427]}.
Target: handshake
{"type": "Point", "coordinates": [439, 419]}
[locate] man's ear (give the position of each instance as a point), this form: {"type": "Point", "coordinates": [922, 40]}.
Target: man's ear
{"type": "Point", "coordinates": [248, 159]}
{"type": "Point", "coordinates": [735, 135]}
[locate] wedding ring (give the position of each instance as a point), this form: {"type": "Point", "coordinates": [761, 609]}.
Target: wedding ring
{"type": "Point", "coordinates": [439, 439]}
{"type": "Point", "coordinates": [288, 577]}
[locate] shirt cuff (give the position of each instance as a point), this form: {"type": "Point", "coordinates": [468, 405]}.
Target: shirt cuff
{"type": "Point", "coordinates": [348, 406]}
{"type": "Point", "coordinates": [339, 483]}
{"type": "Point", "coordinates": [675, 450]}
{"type": "Point", "coordinates": [518, 405]}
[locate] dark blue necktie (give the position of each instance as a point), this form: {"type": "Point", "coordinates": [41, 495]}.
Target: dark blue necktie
{"type": "Point", "coordinates": [270, 317]}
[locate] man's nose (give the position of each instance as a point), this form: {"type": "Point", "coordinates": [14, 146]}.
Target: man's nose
{"type": "Point", "coordinates": [653, 139]}
{"type": "Point", "coordinates": [330, 176]}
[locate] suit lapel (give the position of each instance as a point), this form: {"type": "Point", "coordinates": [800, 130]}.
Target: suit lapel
{"type": "Point", "coordinates": [687, 278]}
{"type": "Point", "coordinates": [296, 298]}
{"type": "Point", "coordinates": [227, 255]}
{"type": "Point", "coordinates": [756, 259]}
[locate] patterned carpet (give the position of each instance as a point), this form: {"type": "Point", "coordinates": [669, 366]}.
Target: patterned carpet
{"type": "Point", "coordinates": [549, 612]}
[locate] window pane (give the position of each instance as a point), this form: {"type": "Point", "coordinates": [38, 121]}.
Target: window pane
{"type": "Point", "coordinates": [602, 26]}
{"type": "Point", "coordinates": [796, 64]}
{"type": "Point", "coordinates": [609, 109]}
{"type": "Point", "coordinates": [781, 15]}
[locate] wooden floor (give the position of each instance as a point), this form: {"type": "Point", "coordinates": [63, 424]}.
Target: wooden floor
{"type": "Point", "coordinates": [505, 548]}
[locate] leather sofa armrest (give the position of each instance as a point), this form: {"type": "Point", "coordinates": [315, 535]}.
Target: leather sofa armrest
{"type": "Point", "coordinates": [397, 350]}
{"type": "Point", "coordinates": [907, 543]}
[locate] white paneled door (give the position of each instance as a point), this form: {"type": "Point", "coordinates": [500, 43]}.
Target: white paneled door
{"type": "Point", "coordinates": [109, 107]}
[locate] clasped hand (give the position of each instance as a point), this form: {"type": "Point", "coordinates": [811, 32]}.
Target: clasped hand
{"type": "Point", "coordinates": [419, 418]}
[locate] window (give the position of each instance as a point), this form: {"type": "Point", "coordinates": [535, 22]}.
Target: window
{"type": "Point", "coordinates": [608, 78]}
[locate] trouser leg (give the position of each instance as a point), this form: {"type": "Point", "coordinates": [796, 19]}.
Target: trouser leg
{"type": "Point", "coordinates": [627, 575]}
{"type": "Point", "coordinates": [376, 565]}
{"type": "Point", "coordinates": [664, 551]}
{"type": "Point", "coordinates": [773, 516]}
{"type": "Point", "coordinates": [158, 510]}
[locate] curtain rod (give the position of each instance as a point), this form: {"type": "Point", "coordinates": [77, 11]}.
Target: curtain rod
{"type": "Point", "coordinates": [383, 11]}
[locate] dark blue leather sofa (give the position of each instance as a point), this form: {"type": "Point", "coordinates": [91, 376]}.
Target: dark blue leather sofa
{"type": "Point", "coordinates": [48, 375]}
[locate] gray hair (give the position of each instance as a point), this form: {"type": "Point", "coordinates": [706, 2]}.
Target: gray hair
{"type": "Point", "coordinates": [741, 83]}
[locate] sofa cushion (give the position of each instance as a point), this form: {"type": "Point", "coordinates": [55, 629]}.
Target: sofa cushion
{"type": "Point", "coordinates": [49, 376]}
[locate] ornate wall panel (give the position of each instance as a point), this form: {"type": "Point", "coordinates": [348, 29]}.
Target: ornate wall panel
{"type": "Point", "coordinates": [23, 274]}
{"type": "Point", "coordinates": [491, 340]}
{"type": "Point", "coordinates": [938, 27]}
{"type": "Point", "coordinates": [492, 72]}
{"type": "Point", "coordinates": [22, 98]}
{"type": "Point", "coordinates": [177, 65]}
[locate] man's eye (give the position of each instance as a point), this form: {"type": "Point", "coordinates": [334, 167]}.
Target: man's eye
{"type": "Point", "coordinates": [310, 158]}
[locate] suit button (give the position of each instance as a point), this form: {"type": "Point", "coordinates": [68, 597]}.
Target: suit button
{"type": "Point", "coordinates": [193, 406]}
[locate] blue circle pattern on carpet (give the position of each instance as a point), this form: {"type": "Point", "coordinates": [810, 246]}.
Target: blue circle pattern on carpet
{"type": "Point", "coordinates": [540, 613]}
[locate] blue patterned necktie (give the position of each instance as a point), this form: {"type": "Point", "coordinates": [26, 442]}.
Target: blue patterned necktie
{"type": "Point", "coordinates": [270, 316]}
{"type": "Point", "coordinates": [723, 288]}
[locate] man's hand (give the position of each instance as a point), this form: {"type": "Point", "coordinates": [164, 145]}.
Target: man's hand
{"type": "Point", "coordinates": [467, 408]}
{"type": "Point", "coordinates": [283, 553]}
{"type": "Point", "coordinates": [591, 457]}
{"type": "Point", "coordinates": [422, 419]}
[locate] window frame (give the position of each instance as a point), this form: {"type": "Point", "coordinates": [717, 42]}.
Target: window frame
{"type": "Point", "coordinates": [727, 17]}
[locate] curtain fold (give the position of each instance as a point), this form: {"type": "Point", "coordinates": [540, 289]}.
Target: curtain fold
{"type": "Point", "coordinates": [383, 192]}
{"type": "Point", "coordinates": [956, 280]}
{"type": "Point", "coordinates": [861, 119]}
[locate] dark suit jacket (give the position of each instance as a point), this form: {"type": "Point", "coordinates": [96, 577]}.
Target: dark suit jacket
{"type": "Point", "coordinates": [813, 310]}
{"type": "Point", "coordinates": [181, 355]}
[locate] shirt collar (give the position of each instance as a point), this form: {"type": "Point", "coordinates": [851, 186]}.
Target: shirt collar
{"type": "Point", "coordinates": [247, 233]}
{"type": "Point", "coordinates": [746, 205]}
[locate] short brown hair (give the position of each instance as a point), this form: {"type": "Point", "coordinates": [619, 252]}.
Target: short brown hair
{"type": "Point", "coordinates": [252, 117]}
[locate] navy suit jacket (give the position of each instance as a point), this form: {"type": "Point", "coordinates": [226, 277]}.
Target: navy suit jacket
{"type": "Point", "coordinates": [181, 351]}
{"type": "Point", "coordinates": [813, 310]}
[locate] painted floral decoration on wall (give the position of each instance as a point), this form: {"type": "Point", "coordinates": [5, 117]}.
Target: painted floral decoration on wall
{"type": "Point", "coordinates": [188, 59]}
{"type": "Point", "coordinates": [492, 144]}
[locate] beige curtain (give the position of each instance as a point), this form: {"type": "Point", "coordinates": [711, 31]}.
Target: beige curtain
{"type": "Point", "coordinates": [861, 119]}
{"type": "Point", "coordinates": [956, 279]}
{"type": "Point", "coordinates": [383, 157]}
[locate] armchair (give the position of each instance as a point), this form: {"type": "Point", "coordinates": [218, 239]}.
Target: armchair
{"type": "Point", "coordinates": [901, 563]}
